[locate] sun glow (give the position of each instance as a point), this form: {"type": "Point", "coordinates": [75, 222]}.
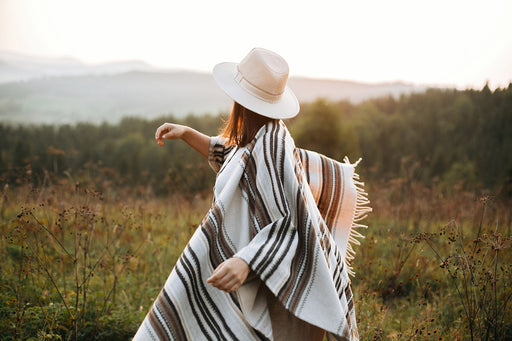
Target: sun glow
{"type": "Point", "coordinates": [455, 43]}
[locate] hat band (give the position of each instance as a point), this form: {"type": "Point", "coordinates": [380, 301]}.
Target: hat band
{"type": "Point", "coordinates": [254, 90]}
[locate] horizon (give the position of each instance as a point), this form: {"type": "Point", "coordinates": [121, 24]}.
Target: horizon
{"type": "Point", "coordinates": [460, 44]}
{"type": "Point", "coordinates": [154, 68]}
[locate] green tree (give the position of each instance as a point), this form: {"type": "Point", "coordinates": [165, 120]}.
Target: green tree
{"type": "Point", "coordinates": [322, 128]}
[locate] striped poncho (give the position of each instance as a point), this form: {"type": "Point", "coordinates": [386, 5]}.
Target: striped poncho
{"type": "Point", "coordinates": [290, 214]}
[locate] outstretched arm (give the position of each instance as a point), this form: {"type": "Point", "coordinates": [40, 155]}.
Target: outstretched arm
{"type": "Point", "coordinates": [195, 139]}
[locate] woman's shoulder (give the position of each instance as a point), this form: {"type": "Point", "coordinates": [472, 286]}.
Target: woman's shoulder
{"type": "Point", "coordinates": [274, 129]}
{"type": "Point", "coordinates": [272, 135]}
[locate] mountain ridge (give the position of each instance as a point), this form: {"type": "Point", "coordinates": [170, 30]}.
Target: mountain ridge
{"type": "Point", "coordinates": [66, 91]}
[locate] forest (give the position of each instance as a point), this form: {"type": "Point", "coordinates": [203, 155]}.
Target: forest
{"type": "Point", "coordinates": [444, 138]}
{"type": "Point", "coordinates": [93, 217]}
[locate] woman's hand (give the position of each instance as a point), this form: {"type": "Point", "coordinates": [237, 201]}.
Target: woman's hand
{"type": "Point", "coordinates": [230, 274]}
{"type": "Point", "coordinates": [169, 131]}
{"type": "Point", "coordinates": [195, 139]}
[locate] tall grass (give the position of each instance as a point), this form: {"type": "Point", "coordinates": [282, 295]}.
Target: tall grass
{"type": "Point", "coordinates": [434, 266]}
{"type": "Point", "coordinates": [79, 264]}
{"type": "Point", "coordinates": [482, 280]}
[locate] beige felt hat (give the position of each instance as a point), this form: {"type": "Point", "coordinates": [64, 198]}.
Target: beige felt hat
{"type": "Point", "coordinates": [258, 83]}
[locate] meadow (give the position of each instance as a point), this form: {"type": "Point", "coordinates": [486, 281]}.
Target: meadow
{"type": "Point", "coordinates": [93, 217]}
{"type": "Point", "coordinates": [80, 264]}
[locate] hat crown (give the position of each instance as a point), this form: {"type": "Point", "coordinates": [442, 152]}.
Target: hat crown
{"type": "Point", "coordinates": [266, 71]}
{"type": "Point", "coordinates": [259, 83]}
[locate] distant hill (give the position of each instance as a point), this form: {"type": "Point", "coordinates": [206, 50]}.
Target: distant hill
{"type": "Point", "coordinates": [64, 90]}
{"type": "Point", "coordinates": [15, 67]}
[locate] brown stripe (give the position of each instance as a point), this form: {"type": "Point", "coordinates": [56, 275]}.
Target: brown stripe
{"type": "Point", "coordinates": [348, 295]}
{"type": "Point", "coordinates": [300, 260]}
{"type": "Point", "coordinates": [324, 203]}
{"type": "Point", "coordinates": [330, 219]}
{"type": "Point", "coordinates": [171, 315]}
{"type": "Point", "coordinates": [305, 253]}
{"type": "Point", "coordinates": [156, 325]}
{"type": "Point", "coordinates": [220, 249]}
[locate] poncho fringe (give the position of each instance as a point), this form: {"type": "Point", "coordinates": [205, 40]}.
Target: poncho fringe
{"type": "Point", "coordinates": [361, 211]}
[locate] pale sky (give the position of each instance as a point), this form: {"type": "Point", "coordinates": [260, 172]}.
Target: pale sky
{"type": "Point", "coordinates": [461, 43]}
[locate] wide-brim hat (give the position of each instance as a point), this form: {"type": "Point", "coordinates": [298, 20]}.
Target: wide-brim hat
{"type": "Point", "coordinates": [259, 83]}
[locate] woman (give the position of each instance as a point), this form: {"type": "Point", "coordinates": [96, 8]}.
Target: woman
{"type": "Point", "coordinates": [268, 260]}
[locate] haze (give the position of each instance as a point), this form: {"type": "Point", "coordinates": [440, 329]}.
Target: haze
{"type": "Point", "coordinates": [450, 43]}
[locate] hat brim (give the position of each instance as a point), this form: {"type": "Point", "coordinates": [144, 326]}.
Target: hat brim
{"type": "Point", "coordinates": [286, 107]}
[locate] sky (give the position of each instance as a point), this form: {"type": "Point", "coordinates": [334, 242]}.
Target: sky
{"type": "Point", "coordinates": [457, 43]}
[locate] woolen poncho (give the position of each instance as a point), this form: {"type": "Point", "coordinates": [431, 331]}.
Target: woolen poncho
{"type": "Point", "coordinates": [289, 213]}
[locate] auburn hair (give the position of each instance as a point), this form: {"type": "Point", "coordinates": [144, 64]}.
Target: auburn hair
{"type": "Point", "coordinates": [242, 125]}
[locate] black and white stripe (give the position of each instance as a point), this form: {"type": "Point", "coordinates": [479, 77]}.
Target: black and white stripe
{"type": "Point", "coordinates": [295, 201]}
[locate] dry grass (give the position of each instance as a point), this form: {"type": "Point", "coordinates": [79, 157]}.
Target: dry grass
{"type": "Point", "coordinates": [80, 264]}
{"type": "Point", "coordinates": [434, 266]}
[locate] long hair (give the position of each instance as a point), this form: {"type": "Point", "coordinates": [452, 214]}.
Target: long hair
{"type": "Point", "coordinates": [242, 125]}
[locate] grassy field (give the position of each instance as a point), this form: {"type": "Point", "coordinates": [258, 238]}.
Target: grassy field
{"type": "Point", "coordinates": [80, 264]}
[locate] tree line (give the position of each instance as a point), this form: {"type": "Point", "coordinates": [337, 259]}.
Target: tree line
{"type": "Point", "coordinates": [444, 137]}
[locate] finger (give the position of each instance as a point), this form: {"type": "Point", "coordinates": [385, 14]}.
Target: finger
{"type": "Point", "coordinates": [227, 282]}
{"type": "Point", "coordinates": [158, 132]}
{"type": "Point", "coordinates": [161, 133]}
{"type": "Point", "coordinates": [217, 274]}
{"type": "Point", "coordinates": [231, 286]}
{"type": "Point", "coordinates": [157, 137]}
{"type": "Point", "coordinates": [223, 286]}
{"type": "Point", "coordinates": [159, 141]}
{"type": "Point", "coordinates": [224, 283]}
{"type": "Point", "coordinates": [216, 278]}
{"type": "Point", "coordinates": [161, 130]}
